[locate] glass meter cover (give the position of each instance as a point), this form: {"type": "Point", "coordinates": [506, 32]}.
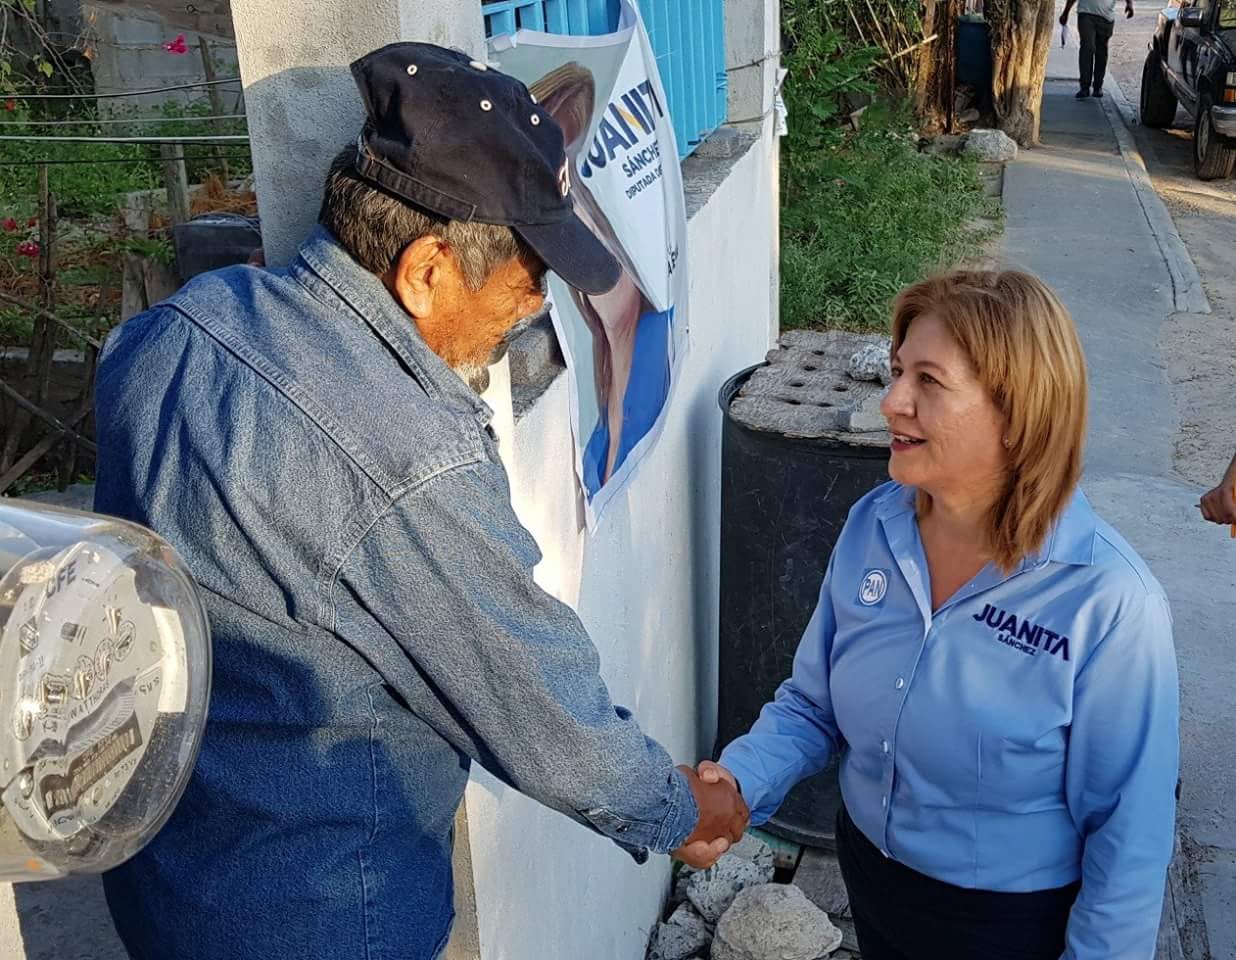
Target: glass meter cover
{"type": "Point", "coordinates": [104, 682]}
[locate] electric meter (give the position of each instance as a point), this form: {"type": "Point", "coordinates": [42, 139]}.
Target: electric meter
{"type": "Point", "coordinates": [104, 683]}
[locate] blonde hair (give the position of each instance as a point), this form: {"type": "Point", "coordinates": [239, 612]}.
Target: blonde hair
{"type": "Point", "coordinates": [1024, 346]}
{"type": "Point", "coordinates": [568, 94]}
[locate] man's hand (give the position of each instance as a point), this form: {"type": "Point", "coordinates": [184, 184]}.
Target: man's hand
{"type": "Point", "coordinates": [1064, 19]}
{"type": "Point", "coordinates": [1128, 11]}
{"type": "Point", "coordinates": [1219, 505]}
{"type": "Point", "coordinates": [723, 818]}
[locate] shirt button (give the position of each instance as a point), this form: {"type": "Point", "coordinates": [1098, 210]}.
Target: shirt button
{"type": "Point", "coordinates": [884, 801]}
{"type": "Point", "coordinates": [900, 683]}
{"type": "Point", "coordinates": [884, 745]}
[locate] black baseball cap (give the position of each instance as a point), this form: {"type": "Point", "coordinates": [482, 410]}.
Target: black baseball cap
{"type": "Point", "coordinates": [454, 137]}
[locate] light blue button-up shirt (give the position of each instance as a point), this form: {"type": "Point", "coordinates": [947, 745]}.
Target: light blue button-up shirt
{"type": "Point", "coordinates": [1020, 738]}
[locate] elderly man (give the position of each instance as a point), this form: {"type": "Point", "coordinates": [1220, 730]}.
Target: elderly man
{"type": "Point", "coordinates": [307, 441]}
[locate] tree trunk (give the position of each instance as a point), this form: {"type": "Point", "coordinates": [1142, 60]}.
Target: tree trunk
{"type": "Point", "coordinates": [1021, 32]}
{"type": "Point", "coordinates": [935, 79]}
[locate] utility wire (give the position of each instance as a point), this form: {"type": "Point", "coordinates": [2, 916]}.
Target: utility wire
{"type": "Point", "coordinates": [131, 93]}
{"type": "Point", "coordinates": [75, 123]}
{"type": "Point", "coordinates": [151, 159]}
{"type": "Point", "coordinates": [189, 138]}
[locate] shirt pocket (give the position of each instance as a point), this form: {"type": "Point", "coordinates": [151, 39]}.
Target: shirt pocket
{"type": "Point", "coordinates": [1022, 775]}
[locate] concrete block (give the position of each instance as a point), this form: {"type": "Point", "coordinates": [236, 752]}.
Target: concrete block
{"type": "Point", "coordinates": [722, 143]}
{"type": "Point", "coordinates": [992, 173]}
{"type": "Point", "coordinates": [536, 361]}
{"type": "Point", "coordinates": [819, 877]}
{"type": "Point", "coordinates": [806, 389]}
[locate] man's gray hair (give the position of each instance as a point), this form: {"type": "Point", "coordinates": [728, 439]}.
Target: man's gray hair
{"type": "Point", "coordinates": [375, 227]}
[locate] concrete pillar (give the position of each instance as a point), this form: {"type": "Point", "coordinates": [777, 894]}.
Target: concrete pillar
{"type": "Point", "coordinates": [752, 60]}
{"type": "Point", "coordinates": [302, 104]}
{"type": "Point", "coordinates": [752, 56]}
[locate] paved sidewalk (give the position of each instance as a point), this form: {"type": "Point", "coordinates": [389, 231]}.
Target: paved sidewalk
{"type": "Point", "coordinates": [1075, 219]}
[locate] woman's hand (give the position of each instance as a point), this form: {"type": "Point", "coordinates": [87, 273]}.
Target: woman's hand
{"type": "Point", "coordinates": [714, 773]}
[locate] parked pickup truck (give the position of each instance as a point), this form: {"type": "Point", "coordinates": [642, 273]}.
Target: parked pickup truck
{"type": "Point", "coordinates": [1192, 62]}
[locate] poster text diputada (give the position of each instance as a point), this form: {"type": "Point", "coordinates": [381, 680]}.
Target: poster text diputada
{"type": "Point", "coordinates": [628, 133]}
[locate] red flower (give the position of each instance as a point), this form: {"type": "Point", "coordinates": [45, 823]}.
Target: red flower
{"type": "Point", "coordinates": [10, 225]}
{"type": "Point", "coordinates": [28, 248]}
{"type": "Point", "coordinates": [32, 222]}
{"type": "Point", "coordinates": [177, 46]}
{"type": "Point", "coordinates": [10, 104]}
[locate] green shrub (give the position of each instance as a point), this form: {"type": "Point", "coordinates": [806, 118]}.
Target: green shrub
{"type": "Point", "coordinates": [863, 213]}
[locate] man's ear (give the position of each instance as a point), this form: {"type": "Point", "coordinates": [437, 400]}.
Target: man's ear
{"type": "Point", "coordinates": [418, 273]}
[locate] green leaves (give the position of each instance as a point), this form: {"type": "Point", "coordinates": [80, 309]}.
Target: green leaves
{"type": "Point", "coordinates": [866, 214]}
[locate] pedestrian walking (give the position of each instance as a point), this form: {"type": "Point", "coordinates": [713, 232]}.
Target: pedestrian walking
{"type": "Point", "coordinates": [1096, 19]}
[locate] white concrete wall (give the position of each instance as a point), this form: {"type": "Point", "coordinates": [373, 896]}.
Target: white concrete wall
{"type": "Point", "coordinates": [645, 586]}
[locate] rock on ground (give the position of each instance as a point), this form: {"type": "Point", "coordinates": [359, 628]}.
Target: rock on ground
{"type": "Point", "coordinates": [774, 922]}
{"type": "Point", "coordinates": [684, 935]}
{"type": "Point", "coordinates": [712, 891]}
{"type": "Point", "coordinates": [872, 363]}
{"type": "Point", "coordinates": [756, 851]}
{"type": "Point", "coordinates": [992, 145]}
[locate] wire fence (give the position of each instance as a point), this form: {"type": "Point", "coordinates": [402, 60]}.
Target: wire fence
{"type": "Point", "coordinates": [125, 93]}
{"type": "Point", "coordinates": [111, 121]}
{"type": "Point", "coordinates": [74, 280]}
{"type": "Point", "coordinates": [153, 158]}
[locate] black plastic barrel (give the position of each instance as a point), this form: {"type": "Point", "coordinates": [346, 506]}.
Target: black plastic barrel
{"type": "Point", "coordinates": [974, 53]}
{"type": "Point", "coordinates": [784, 501]}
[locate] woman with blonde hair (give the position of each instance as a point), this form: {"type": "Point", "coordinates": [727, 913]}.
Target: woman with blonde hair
{"type": "Point", "coordinates": [631, 367]}
{"type": "Point", "coordinates": [991, 661]}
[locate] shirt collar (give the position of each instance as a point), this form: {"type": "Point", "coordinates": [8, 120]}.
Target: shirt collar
{"type": "Point", "coordinates": [1071, 540]}
{"type": "Point", "coordinates": [322, 258]}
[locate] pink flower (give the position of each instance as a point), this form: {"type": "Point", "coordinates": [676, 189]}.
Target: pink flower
{"type": "Point", "coordinates": [176, 46]}
{"type": "Point", "coordinates": [28, 248]}
{"type": "Point", "coordinates": [10, 104]}
{"type": "Point", "coordinates": [32, 222]}
{"type": "Point", "coordinates": [10, 225]}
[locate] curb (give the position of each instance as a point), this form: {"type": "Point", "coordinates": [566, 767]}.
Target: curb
{"type": "Point", "coordinates": [1188, 293]}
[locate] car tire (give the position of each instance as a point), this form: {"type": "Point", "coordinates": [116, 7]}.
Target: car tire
{"type": "Point", "coordinates": [1158, 103]}
{"type": "Point", "coordinates": [1212, 158]}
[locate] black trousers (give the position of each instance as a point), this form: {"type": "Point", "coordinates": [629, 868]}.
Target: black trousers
{"type": "Point", "coordinates": [1095, 33]}
{"type": "Point", "coordinates": [900, 914]}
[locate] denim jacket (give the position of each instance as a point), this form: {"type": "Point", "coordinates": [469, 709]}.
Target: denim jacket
{"type": "Point", "coordinates": [336, 491]}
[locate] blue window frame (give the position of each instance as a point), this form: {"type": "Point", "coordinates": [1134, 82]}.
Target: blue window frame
{"type": "Point", "coordinates": [688, 39]}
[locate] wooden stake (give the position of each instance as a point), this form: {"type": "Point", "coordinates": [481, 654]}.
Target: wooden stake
{"type": "Point", "coordinates": [176, 179]}
{"type": "Point", "coordinates": [216, 98]}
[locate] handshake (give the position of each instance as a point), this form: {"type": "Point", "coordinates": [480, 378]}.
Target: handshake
{"type": "Point", "coordinates": [723, 815]}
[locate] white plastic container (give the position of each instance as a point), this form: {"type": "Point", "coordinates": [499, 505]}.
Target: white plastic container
{"type": "Point", "coordinates": [104, 684]}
